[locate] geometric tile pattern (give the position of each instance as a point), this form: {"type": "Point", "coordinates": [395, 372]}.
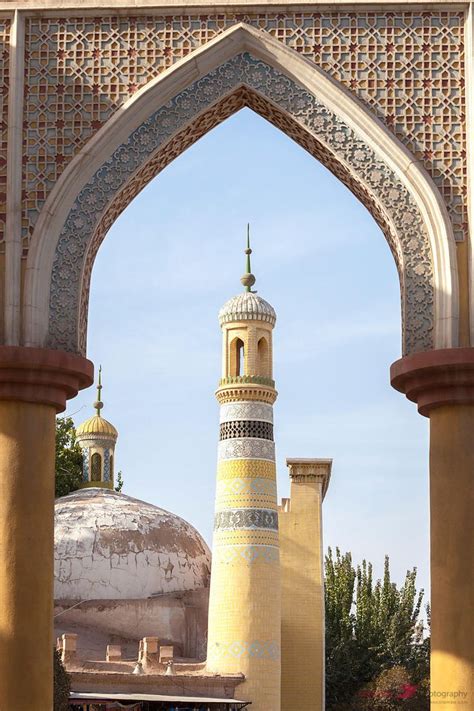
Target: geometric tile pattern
{"type": "Point", "coordinates": [407, 66]}
{"type": "Point", "coordinates": [246, 518]}
{"type": "Point", "coordinates": [246, 448]}
{"type": "Point", "coordinates": [261, 537]}
{"type": "Point", "coordinates": [186, 117]}
{"type": "Point", "coordinates": [246, 428]}
{"type": "Point", "coordinates": [86, 453]}
{"type": "Point", "coordinates": [244, 468]}
{"type": "Point", "coordinates": [106, 464]}
{"type": "Point", "coordinates": [4, 90]}
{"type": "Point", "coordinates": [249, 554]}
{"type": "Point", "coordinates": [259, 649]}
{"type": "Point", "coordinates": [246, 411]}
{"type": "Point", "coordinates": [241, 487]}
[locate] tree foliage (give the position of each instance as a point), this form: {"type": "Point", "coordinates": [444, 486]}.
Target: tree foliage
{"type": "Point", "coordinates": [62, 684]}
{"type": "Point", "coordinates": [119, 484]}
{"type": "Point", "coordinates": [68, 467]}
{"type": "Point", "coordinates": [371, 627]}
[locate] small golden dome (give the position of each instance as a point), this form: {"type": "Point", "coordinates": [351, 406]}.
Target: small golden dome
{"type": "Point", "coordinates": [97, 425]}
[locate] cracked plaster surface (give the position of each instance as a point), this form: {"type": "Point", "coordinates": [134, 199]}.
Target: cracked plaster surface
{"type": "Point", "coordinates": [111, 546]}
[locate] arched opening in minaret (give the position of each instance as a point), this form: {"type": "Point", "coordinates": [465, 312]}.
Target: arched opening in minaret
{"type": "Point", "coordinates": [323, 263]}
{"type": "Point", "coordinates": [96, 467]}
{"type": "Point", "coordinates": [263, 358]}
{"type": "Point", "coordinates": [237, 354]}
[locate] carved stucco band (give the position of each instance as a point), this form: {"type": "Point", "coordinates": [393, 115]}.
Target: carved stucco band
{"type": "Point", "coordinates": [233, 411]}
{"type": "Point", "coordinates": [246, 448]}
{"type": "Point", "coordinates": [407, 237]}
{"type": "Point", "coordinates": [246, 518]}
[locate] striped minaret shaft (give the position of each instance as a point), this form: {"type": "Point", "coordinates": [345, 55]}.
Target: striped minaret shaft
{"type": "Point", "coordinates": [245, 597]}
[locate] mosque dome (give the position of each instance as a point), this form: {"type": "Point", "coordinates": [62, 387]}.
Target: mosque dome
{"type": "Point", "coordinates": [97, 425]}
{"type": "Point", "coordinates": [111, 546]}
{"type": "Point", "coordinates": [247, 306]}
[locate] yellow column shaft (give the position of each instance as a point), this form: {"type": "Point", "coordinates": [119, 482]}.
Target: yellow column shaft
{"type": "Point", "coordinates": [27, 433]}
{"type": "Point", "coordinates": [452, 555]}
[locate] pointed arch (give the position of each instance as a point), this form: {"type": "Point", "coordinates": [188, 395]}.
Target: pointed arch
{"type": "Point", "coordinates": [241, 67]}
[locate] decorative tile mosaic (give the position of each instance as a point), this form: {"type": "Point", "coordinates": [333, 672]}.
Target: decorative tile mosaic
{"type": "Point", "coordinates": [242, 536]}
{"type": "Point", "coordinates": [245, 469]}
{"type": "Point", "coordinates": [86, 453]}
{"type": "Point", "coordinates": [248, 518]}
{"type": "Point", "coordinates": [245, 486]}
{"type": "Point", "coordinates": [261, 649]}
{"type": "Point", "coordinates": [246, 501]}
{"type": "Point", "coordinates": [246, 411]}
{"type": "Point", "coordinates": [246, 428]}
{"type": "Point", "coordinates": [179, 123]}
{"type": "Point", "coordinates": [246, 448]}
{"type": "Point", "coordinates": [407, 66]}
{"type": "Point", "coordinates": [106, 464]}
{"type": "Point", "coordinates": [249, 554]}
{"type": "Point", "coordinates": [4, 91]}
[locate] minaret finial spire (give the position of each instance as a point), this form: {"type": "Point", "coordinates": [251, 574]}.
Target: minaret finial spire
{"type": "Point", "coordinates": [98, 403]}
{"type": "Point", "coordinates": [248, 279]}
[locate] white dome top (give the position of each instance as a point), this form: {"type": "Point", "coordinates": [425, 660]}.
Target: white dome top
{"type": "Point", "coordinates": [111, 546]}
{"type": "Point", "coordinates": [247, 306]}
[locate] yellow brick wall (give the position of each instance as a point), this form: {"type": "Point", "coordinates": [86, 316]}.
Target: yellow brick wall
{"type": "Point", "coordinates": [302, 599]}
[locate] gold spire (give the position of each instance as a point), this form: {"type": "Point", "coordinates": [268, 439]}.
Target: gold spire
{"type": "Point", "coordinates": [98, 403]}
{"type": "Point", "coordinates": [248, 279]}
{"type": "Point", "coordinates": [97, 424]}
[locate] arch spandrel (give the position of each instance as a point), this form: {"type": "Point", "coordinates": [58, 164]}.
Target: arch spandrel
{"type": "Point", "coordinates": [242, 67]}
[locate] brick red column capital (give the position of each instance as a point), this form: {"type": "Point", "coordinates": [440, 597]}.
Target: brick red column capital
{"type": "Point", "coordinates": [435, 378]}
{"type": "Point", "coordinates": [43, 376]}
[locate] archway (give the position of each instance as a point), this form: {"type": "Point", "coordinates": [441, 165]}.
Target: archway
{"type": "Point", "coordinates": [242, 67]}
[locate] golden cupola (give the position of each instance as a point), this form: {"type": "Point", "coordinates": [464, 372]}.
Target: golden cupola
{"type": "Point", "coordinates": [97, 438]}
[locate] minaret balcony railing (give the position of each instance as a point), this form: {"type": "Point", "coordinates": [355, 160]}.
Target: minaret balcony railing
{"type": "Point", "coordinates": [246, 379]}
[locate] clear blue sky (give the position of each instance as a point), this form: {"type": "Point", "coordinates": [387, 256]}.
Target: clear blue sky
{"type": "Point", "coordinates": [169, 263]}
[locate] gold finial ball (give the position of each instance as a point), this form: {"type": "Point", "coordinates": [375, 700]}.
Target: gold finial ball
{"type": "Point", "coordinates": [98, 405]}
{"type": "Point", "coordinates": [247, 280]}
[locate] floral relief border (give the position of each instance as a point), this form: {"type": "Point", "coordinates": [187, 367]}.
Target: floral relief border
{"type": "Point", "coordinates": [300, 115]}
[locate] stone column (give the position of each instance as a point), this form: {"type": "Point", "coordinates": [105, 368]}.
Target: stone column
{"type": "Point", "coordinates": [34, 385]}
{"type": "Point", "coordinates": [442, 384]}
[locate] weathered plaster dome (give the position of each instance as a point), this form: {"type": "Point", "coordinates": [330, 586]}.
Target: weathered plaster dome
{"type": "Point", "coordinates": [247, 306]}
{"type": "Point", "coordinates": [110, 546]}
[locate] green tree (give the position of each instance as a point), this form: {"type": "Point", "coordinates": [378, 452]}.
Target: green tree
{"type": "Point", "coordinates": [119, 484]}
{"type": "Point", "coordinates": [68, 465]}
{"type": "Point", "coordinates": [62, 684]}
{"type": "Point", "coordinates": [371, 627]}
{"type": "Point", "coordinates": [341, 664]}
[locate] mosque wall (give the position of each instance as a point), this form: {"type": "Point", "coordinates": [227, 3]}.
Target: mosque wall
{"type": "Point", "coordinates": [178, 619]}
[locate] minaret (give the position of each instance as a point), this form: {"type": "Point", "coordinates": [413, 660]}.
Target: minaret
{"type": "Point", "coordinates": [245, 597]}
{"type": "Point", "coordinates": [97, 437]}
